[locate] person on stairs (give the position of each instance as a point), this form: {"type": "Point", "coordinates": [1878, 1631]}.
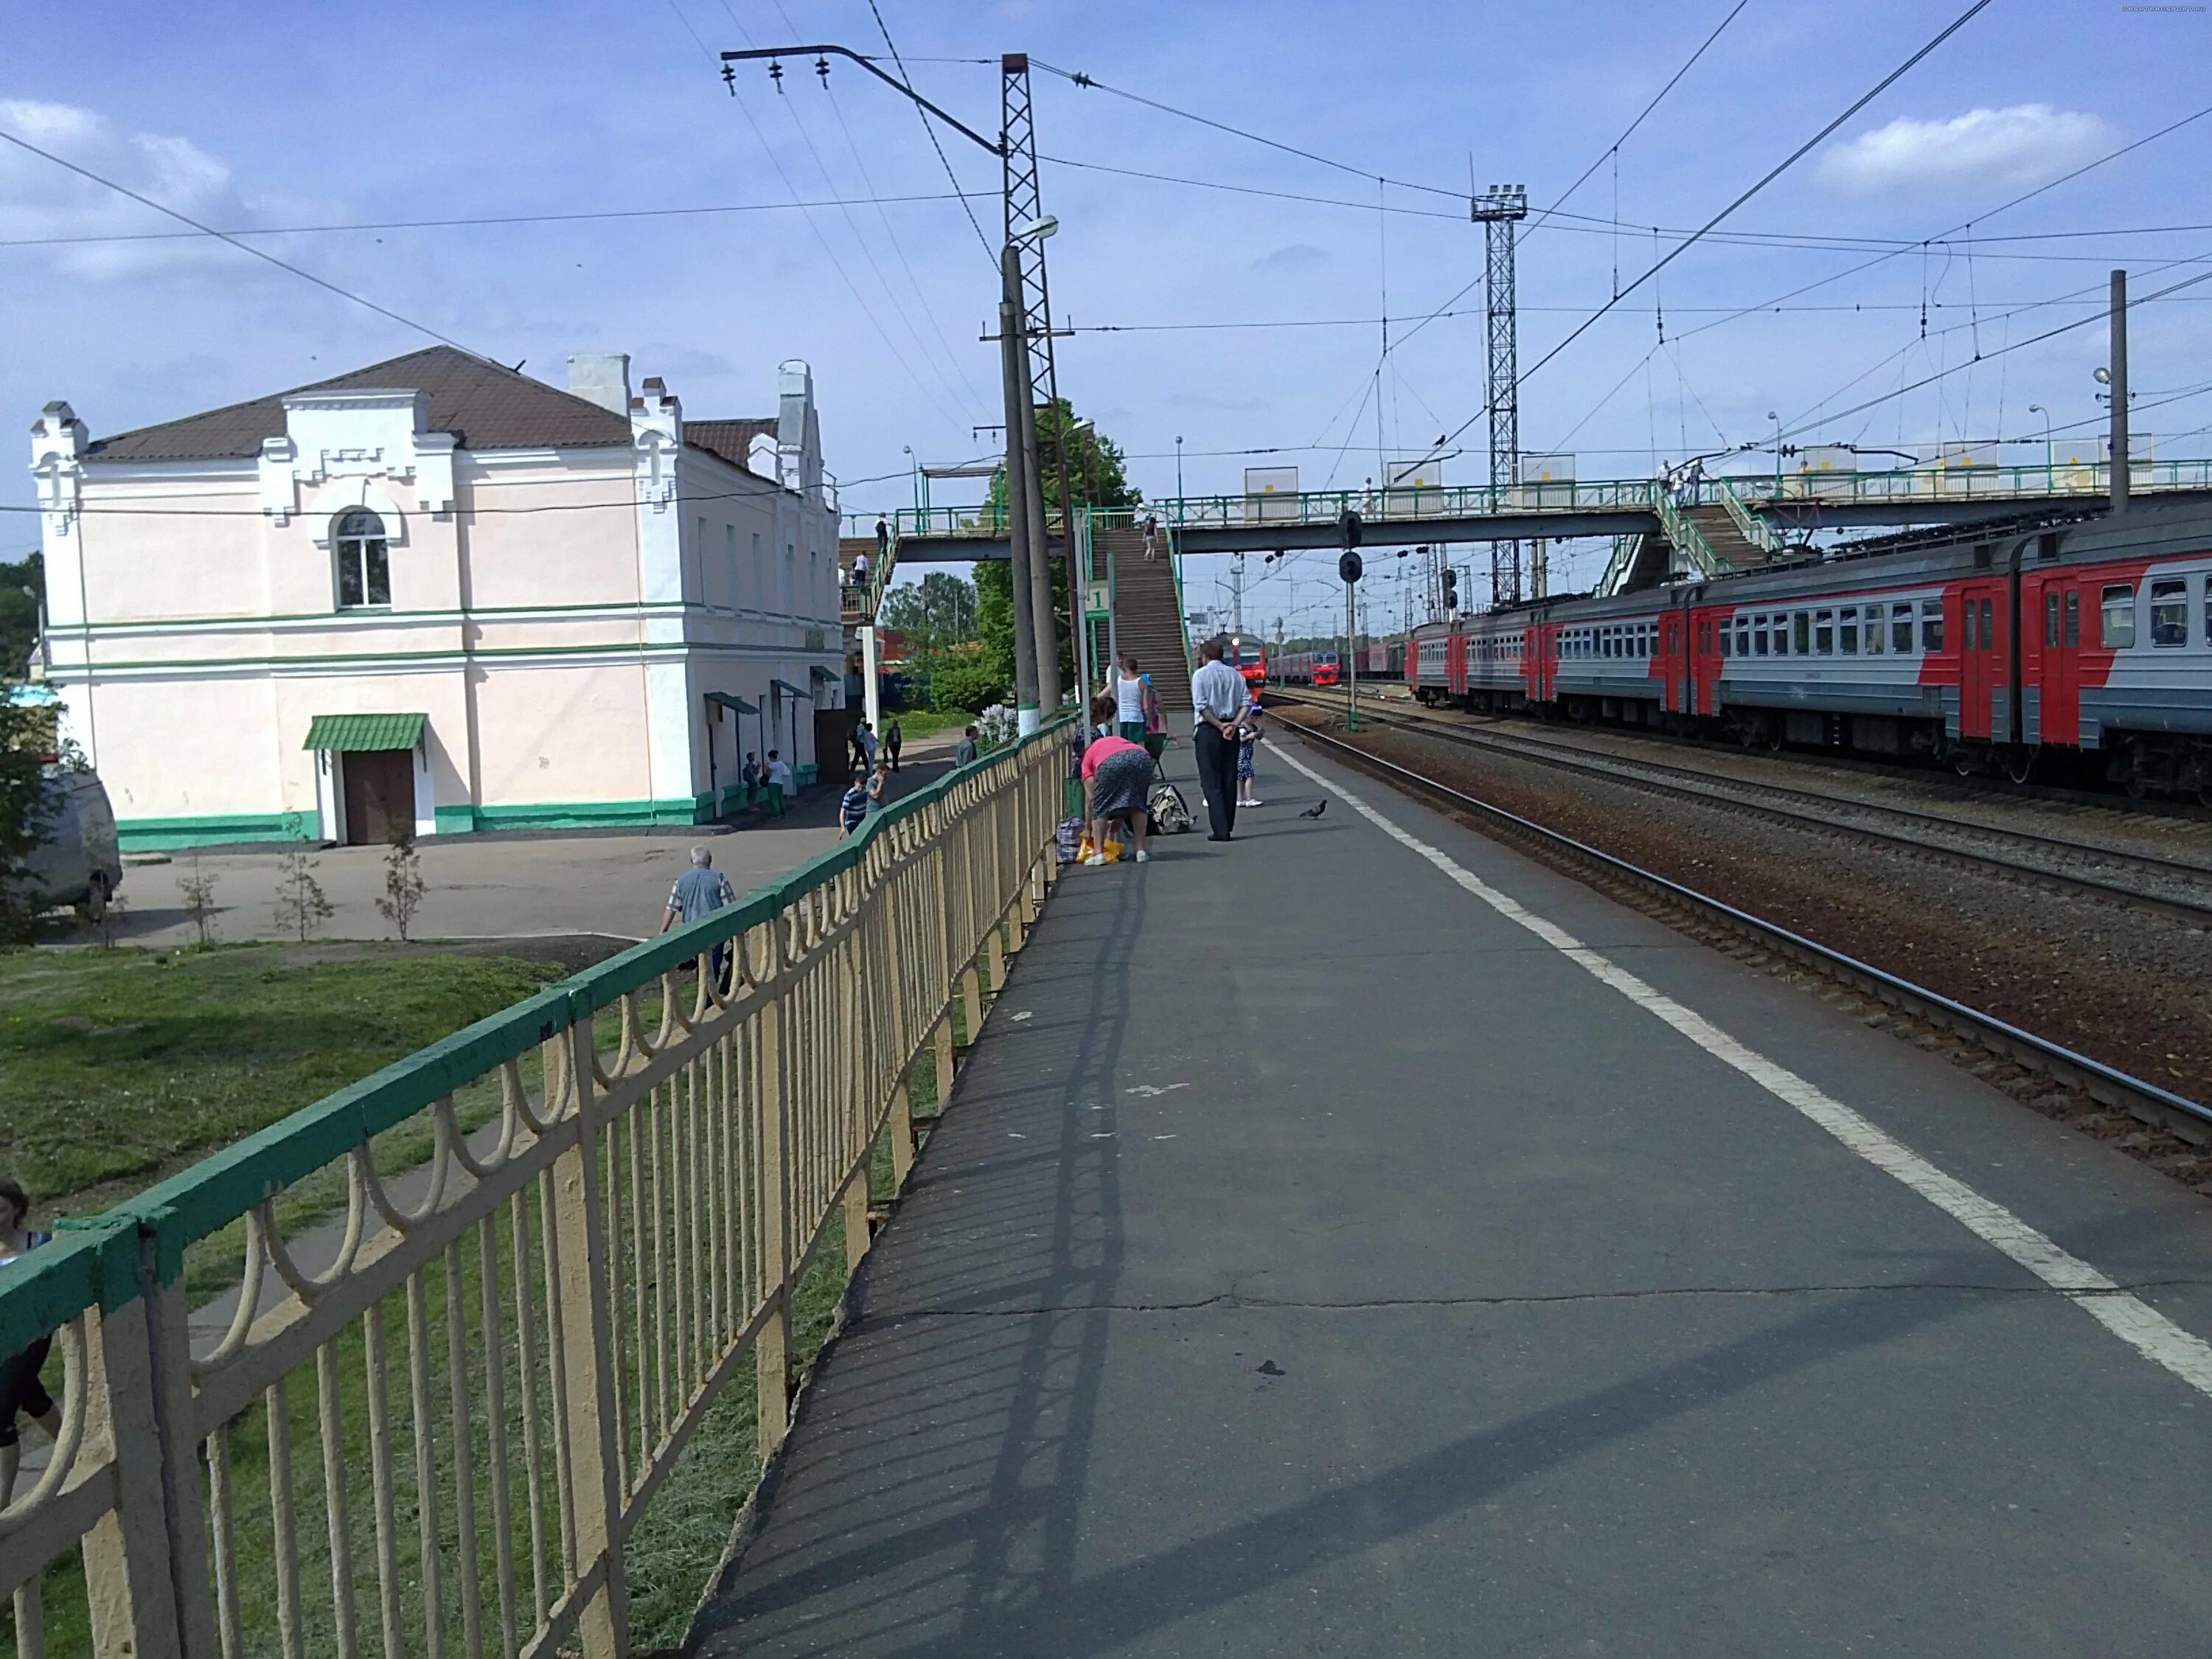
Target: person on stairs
{"type": "Point", "coordinates": [1217, 696]}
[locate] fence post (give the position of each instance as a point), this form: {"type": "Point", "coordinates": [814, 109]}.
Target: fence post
{"type": "Point", "coordinates": [169, 1334]}
{"type": "Point", "coordinates": [586, 1358]}
{"type": "Point", "coordinates": [132, 1589]}
{"type": "Point", "coordinates": [772, 1348]}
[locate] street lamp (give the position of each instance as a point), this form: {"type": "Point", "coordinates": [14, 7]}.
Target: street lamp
{"type": "Point", "coordinates": [2050, 467]}
{"type": "Point", "coordinates": [1178, 479]}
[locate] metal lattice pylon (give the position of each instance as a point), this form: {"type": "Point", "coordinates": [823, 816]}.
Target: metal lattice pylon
{"type": "Point", "coordinates": [1498, 209]}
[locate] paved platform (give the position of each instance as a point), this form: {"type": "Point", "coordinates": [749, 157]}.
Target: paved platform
{"type": "Point", "coordinates": [1321, 1258]}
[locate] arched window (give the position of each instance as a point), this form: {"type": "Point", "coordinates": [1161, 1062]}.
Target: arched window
{"type": "Point", "coordinates": [364, 566]}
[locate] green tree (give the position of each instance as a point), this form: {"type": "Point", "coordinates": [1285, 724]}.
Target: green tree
{"type": "Point", "coordinates": [1097, 478]}
{"type": "Point", "coordinates": [935, 614]}
{"type": "Point", "coordinates": [22, 589]}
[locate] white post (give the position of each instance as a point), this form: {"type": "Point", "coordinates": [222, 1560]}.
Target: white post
{"type": "Point", "coordinates": [871, 681]}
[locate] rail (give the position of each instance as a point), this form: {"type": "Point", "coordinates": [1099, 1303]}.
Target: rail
{"type": "Point", "coordinates": [434, 1427]}
{"type": "Point", "coordinates": [1683, 536]}
{"type": "Point", "coordinates": [1742, 494]}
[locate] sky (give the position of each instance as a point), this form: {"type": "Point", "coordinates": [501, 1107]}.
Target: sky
{"type": "Point", "coordinates": [1178, 240]}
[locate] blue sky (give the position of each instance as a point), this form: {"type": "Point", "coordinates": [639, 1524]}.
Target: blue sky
{"type": "Point", "coordinates": [259, 117]}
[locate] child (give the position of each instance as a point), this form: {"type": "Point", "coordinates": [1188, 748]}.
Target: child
{"type": "Point", "coordinates": [1247, 740]}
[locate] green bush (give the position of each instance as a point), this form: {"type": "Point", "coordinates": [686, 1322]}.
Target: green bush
{"type": "Point", "coordinates": [967, 683]}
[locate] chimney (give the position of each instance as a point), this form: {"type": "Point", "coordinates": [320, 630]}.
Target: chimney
{"type": "Point", "coordinates": [601, 378]}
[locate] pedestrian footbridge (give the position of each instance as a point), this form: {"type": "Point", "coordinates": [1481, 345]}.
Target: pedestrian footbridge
{"type": "Point", "coordinates": [1357, 1237]}
{"type": "Point", "coordinates": [1706, 526]}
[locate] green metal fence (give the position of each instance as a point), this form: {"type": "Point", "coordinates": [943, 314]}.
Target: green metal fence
{"type": "Point", "coordinates": [434, 1427]}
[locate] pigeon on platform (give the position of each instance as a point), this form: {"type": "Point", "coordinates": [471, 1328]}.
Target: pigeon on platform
{"type": "Point", "coordinates": [1316, 809]}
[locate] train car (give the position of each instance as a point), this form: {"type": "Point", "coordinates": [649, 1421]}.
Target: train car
{"type": "Point", "coordinates": [1251, 662]}
{"type": "Point", "coordinates": [1990, 648]}
{"type": "Point", "coordinates": [1317, 667]}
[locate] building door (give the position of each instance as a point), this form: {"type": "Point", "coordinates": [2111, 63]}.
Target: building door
{"type": "Point", "coordinates": [380, 792]}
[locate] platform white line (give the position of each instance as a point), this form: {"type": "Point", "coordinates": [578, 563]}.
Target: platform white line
{"type": "Point", "coordinates": [2127, 1316]}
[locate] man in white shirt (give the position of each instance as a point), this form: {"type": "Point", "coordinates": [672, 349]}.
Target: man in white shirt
{"type": "Point", "coordinates": [1217, 693]}
{"type": "Point", "coordinates": [779, 784]}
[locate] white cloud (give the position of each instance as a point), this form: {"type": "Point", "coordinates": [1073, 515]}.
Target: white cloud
{"type": "Point", "coordinates": [39, 199]}
{"type": "Point", "coordinates": [2026, 144]}
{"type": "Point", "coordinates": [1299, 256]}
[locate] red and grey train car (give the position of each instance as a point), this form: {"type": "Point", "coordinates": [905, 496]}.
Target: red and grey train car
{"type": "Point", "coordinates": [1307, 667]}
{"type": "Point", "coordinates": [1986, 649]}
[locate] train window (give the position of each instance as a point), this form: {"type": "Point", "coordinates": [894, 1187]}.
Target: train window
{"type": "Point", "coordinates": [1968, 641]}
{"type": "Point", "coordinates": [1847, 631]}
{"type": "Point", "coordinates": [2051, 615]}
{"type": "Point", "coordinates": [1727, 634]}
{"type": "Point", "coordinates": [1900, 628]}
{"type": "Point", "coordinates": [2169, 611]}
{"type": "Point", "coordinates": [1931, 624]}
{"type": "Point", "coordinates": [1824, 633]}
{"type": "Point", "coordinates": [1800, 632]}
{"type": "Point", "coordinates": [1988, 634]}
{"type": "Point", "coordinates": [1759, 636]}
{"type": "Point", "coordinates": [2072, 616]}
{"type": "Point", "coordinates": [2117, 625]}
{"type": "Point", "coordinates": [1874, 632]}
{"type": "Point", "coordinates": [1743, 636]}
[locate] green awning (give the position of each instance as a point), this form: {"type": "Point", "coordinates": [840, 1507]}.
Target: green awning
{"type": "Point", "coordinates": [795, 690]}
{"type": "Point", "coordinates": [736, 705]}
{"type": "Point", "coordinates": [354, 733]}
{"type": "Point", "coordinates": [817, 671]}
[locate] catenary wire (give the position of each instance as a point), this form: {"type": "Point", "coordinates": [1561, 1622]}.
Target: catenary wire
{"type": "Point", "coordinates": [884, 29]}
{"type": "Point", "coordinates": [262, 254]}
{"type": "Point", "coordinates": [1766, 179]}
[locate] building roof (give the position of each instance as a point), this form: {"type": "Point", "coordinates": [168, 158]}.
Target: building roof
{"type": "Point", "coordinates": [483, 404]}
{"type": "Point", "coordinates": [730, 440]}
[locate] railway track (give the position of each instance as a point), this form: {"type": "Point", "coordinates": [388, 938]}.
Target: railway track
{"type": "Point", "coordinates": [2173, 887]}
{"type": "Point", "coordinates": [2107, 1085]}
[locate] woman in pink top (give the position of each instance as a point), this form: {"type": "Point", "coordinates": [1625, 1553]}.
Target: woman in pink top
{"type": "Point", "coordinates": [1117, 774]}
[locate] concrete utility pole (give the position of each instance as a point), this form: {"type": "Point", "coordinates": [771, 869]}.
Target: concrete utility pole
{"type": "Point", "coordinates": [1236, 594]}
{"type": "Point", "coordinates": [1013, 363]}
{"type": "Point", "coordinates": [2118, 370]}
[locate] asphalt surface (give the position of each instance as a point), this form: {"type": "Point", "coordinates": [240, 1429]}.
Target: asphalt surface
{"type": "Point", "coordinates": [1315, 1261]}
{"type": "Point", "coordinates": [612, 884]}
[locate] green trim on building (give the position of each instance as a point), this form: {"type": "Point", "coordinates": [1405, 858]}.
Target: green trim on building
{"type": "Point", "coordinates": [167, 835]}
{"type": "Point", "coordinates": [578, 815]}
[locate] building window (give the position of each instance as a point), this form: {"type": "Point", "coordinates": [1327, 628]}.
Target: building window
{"type": "Point", "coordinates": [364, 565]}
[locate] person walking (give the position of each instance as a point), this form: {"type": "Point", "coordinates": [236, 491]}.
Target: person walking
{"type": "Point", "coordinates": [879, 787]}
{"type": "Point", "coordinates": [1217, 695]}
{"type": "Point", "coordinates": [1128, 701]}
{"type": "Point", "coordinates": [965, 755]}
{"type": "Point", "coordinates": [1152, 537]}
{"type": "Point", "coordinates": [853, 811]}
{"type": "Point", "coordinates": [778, 780]}
{"type": "Point", "coordinates": [1248, 745]}
{"type": "Point", "coordinates": [864, 747]}
{"type": "Point", "coordinates": [1117, 777]}
{"type": "Point", "coordinates": [21, 1393]}
{"type": "Point", "coordinates": [1155, 724]}
{"type": "Point", "coordinates": [893, 739]}
{"type": "Point", "coordinates": [750, 775]}
{"type": "Point", "coordinates": [700, 891]}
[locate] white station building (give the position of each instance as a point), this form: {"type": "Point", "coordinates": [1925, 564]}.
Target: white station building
{"type": "Point", "coordinates": [438, 592]}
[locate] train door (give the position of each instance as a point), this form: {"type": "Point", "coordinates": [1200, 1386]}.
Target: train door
{"type": "Point", "coordinates": [1670, 661]}
{"type": "Point", "coordinates": [1982, 662]}
{"type": "Point", "coordinates": [2060, 630]}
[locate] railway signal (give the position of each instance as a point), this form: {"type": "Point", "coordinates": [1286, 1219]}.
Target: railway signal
{"type": "Point", "coordinates": [1451, 588]}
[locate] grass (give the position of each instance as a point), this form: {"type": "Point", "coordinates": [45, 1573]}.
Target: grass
{"type": "Point", "coordinates": [920, 722]}
{"type": "Point", "coordinates": [174, 1053]}
{"type": "Point", "coordinates": [677, 1541]}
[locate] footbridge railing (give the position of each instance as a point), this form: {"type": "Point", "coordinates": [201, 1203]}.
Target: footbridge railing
{"type": "Point", "coordinates": [433, 1424]}
{"type": "Point", "coordinates": [1743, 494]}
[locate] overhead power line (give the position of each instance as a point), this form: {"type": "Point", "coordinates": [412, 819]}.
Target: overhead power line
{"type": "Point", "coordinates": [1764, 180]}
{"type": "Point", "coordinates": [884, 29]}
{"type": "Point", "coordinates": [261, 254]}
